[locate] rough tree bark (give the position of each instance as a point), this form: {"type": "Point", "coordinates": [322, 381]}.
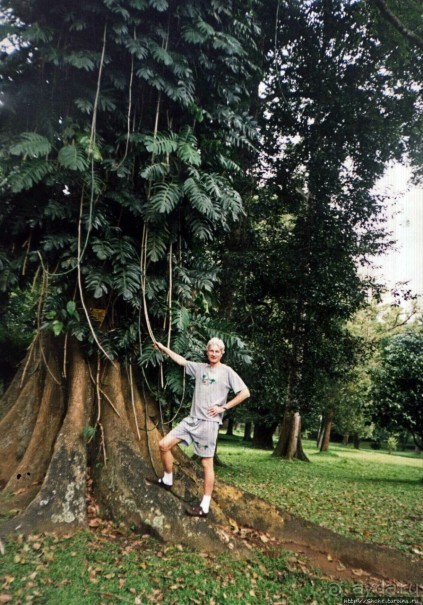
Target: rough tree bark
{"type": "Point", "coordinates": [46, 453]}
{"type": "Point", "coordinates": [289, 445]}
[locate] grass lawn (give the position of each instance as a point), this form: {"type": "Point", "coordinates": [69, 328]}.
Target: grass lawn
{"type": "Point", "coordinates": [366, 494]}
{"type": "Point", "coordinates": [90, 569]}
{"type": "Point", "coordinates": [361, 493]}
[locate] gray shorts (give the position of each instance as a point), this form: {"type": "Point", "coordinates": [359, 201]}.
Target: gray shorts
{"type": "Point", "coordinates": [202, 433]}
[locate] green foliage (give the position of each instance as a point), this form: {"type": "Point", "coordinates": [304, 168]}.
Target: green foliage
{"type": "Point", "coordinates": [162, 143]}
{"type": "Point", "coordinates": [73, 158]}
{"type": "Point", "coordinates": [292, 272]}
{"type": "Point", "coordinates": [17, 328]}
{"type": "Point", "coordinates": [398, 384]}
{"type": "Point", "coordinates": [153, 132]}
{"type": "Point", "coordinates": [391, 444]}
{"type": "Point", "coordinates": [102, 142]}
{"type": "Point", "coordinates": [30, 173]}
{"type": "Point", "coordinates": [32, 145]}
{"type": "Point", "coordinates": [165, 198]}
{"type": "Point", "coordinates": [88, 432]}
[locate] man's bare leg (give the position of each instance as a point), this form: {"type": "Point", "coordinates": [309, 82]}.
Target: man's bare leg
{"type": "Point", "coordinates": [165, 445]}
{"type": "Point", "coordinates": [208, 467]}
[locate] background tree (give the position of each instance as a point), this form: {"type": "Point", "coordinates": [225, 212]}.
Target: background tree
{"type": "Point", "coordinates": [330, 122]}
{"type": "Point", "coordinates": [397, 389]}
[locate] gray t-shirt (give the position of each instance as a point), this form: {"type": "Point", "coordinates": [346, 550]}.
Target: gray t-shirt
{"type": "Point", "coordinates": [212, 386]}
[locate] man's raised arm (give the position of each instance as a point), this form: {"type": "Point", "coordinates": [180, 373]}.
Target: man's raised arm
{"type": "Point", "coordinates": [181, 361]}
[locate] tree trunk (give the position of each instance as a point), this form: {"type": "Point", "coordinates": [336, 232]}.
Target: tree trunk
{"type": "Point", "coordinates": [319, 433]}
{"type": "Point", "coordinates": [263, 436]}
{"type": "Point", "coordinates": [327, 427]}
{"type": "Point", "coordinates": [247, 431]}
{"type": "Point", "coordinates": [289, 445]}
{"type": "Point", "coordinates": [48, 443]}
{"type": "Point", "coordinates": [230, 427]}
{"type": "Point", "coordinates": [356, 441]}
{"type": "Point", "coordinates": [345, 439]}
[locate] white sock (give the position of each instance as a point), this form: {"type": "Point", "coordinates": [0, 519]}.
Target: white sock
{"type": "Point", "coordinates": [168, 478]}
{"type": "Point", "coordinates": [205, 503]}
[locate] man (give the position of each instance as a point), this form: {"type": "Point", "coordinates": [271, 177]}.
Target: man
{"type": "Point", "coordinates": [213, 381]}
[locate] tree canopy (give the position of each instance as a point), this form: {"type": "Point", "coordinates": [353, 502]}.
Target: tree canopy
{"type": "Point", "coordinates": [397, 390]}
{"type": "Point", "coordinates": [122, 125]}
{"type": "Point", "coordinates": [339, 99]}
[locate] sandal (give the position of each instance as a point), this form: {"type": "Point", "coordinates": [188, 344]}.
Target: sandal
{"type": "Point", "coordinates": [158, 482]}
{"type": "Point", "coordinates": [196, 511]}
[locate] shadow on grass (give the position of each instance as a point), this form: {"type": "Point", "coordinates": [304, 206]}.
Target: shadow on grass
{"type": "Point", "coordinates": [391, 480]}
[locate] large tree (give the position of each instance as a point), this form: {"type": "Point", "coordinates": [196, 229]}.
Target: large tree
{"type": "Point", "coordinates": [337, 105]}
{"type": "Point", "coordinates": [121, 129]}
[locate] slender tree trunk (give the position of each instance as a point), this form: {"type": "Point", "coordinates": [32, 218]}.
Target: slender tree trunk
{"type": "Point", "coordinates": [345, 439]}
{"type": "Point", "coordinates": [247, 431]}
{"type": "Point", "coordinates": [327, 427]}
{"type": "Point", "coordinates": [356, 441]}
{"type": "Point", "coordinates": [289, 445]}
{"type": "Point", "coordinates": [319, 433]}
{"type": "Point", "coordinates": [230, 427]}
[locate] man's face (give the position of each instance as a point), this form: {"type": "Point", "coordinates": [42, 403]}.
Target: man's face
{"type": "Point", "coordinates": [214, 354]}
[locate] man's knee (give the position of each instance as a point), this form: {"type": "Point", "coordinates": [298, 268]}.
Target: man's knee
{"type": "Point", "coordinates": [167, 444]}
{"type": "Point", "coordinates": [164, 445]}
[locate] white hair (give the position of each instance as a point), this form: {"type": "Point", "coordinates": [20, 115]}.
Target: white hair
{"type": "Point", "coordinates": [217, 342]}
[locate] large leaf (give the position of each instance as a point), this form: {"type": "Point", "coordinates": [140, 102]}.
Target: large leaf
{"type": "Point", "coordinates": [82, 60]}
{"type": "Point", "coordinates": [73, 158]}
{"type": "Point", "coordinates": [188, 154]}
{"type": "Point", "coordinates": [157, 244]}
{"type": "Point", "coordinates": [27, 174]}
{"type": "Point", "coordinates": [126, 281]}
{"type": "Point", "coordinates": [160, 54]}
{"type": "Point", "coordinates": [198, 197]}
{"type": "Point", "coordinates": [31, 144]}
{"type": "Point", "coordinates": [165, 197]}
{"type": "Point", "coordinates": [156, 171]}
{"type": "Point", "coordinates": [160, 5]}
{"type": "Point", "coordinates": [161, 143]}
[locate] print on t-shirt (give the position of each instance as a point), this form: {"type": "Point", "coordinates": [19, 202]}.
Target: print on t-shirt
{"type": "Point", "coordinates": [207, 379]}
